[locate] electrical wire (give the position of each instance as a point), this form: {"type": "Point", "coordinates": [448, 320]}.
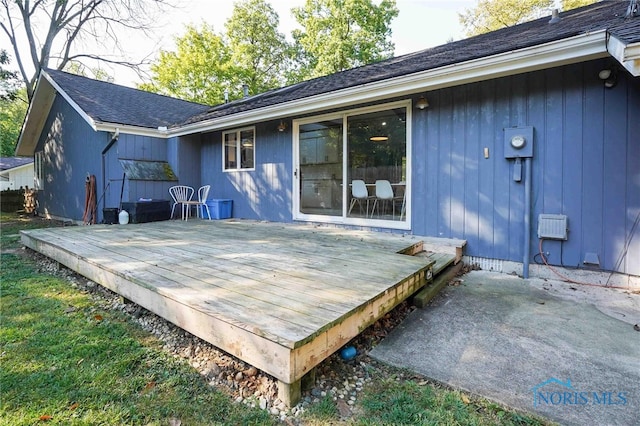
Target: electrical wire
{"type": "Point", "coordinates": [567, 279]}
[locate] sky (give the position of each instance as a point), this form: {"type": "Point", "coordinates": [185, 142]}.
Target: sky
{"type": "Point", "coordinates": [420, 24]}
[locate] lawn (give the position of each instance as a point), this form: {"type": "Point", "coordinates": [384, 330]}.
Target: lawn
{"type": "Point", "coordinates": [65, 360]}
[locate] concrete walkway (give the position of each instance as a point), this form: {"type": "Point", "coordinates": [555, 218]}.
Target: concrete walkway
{"type": "Point", "coordinates": [567, 352]}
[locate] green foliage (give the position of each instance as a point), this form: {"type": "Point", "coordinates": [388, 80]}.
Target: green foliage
{"type": "Point", "coordinates": [12, 112]}
{"type": "Point", "coordinates": [199, 70]}
{"type": "Point", "coordinates": [206, 65]}
{"type": "Point", "coordinates": [335, 35]}
{"type": "Point", "coordinates": [491, 15]}
{"type": "Point", "coordinates": [258, 51]}
{"type": "Point", "coordinates": [340, 34]}
{"type": "Point", "coordinates": [9, 83]}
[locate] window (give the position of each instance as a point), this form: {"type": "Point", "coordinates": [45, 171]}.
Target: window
{"type": "Point", "coordinates": [38, 176]}
{"type": "Point", "coordinates": [238, 149]}
{"type": "Point", "coordinates": [355, 166]}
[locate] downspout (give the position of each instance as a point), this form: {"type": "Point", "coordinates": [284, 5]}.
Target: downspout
{"type": "Point", "coordinates": [527, 217]}
{"type": "Point", "coordinates": [106, 149]}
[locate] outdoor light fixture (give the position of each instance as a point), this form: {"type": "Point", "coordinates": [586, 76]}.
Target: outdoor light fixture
{"type": "Point", "coordinates": [609, 77]}
{"type": "Point", "coordinates": [378, 138]}
{"type": "Point", "coordinates": [422, 103]}
{"type": "Point", "coordinates": [282, 126]}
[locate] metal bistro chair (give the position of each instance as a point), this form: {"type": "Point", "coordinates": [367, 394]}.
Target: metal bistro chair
{"type": "Point", "coordinates": [199, 204]}
{"type": "Point", "coordinates": [182, 195]}
{"type": "Point", "coordinates": [203, 193]}
{"type": "Point", "coordinates": [359, 193]}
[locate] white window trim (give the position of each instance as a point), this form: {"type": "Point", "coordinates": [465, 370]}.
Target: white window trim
{"type": "Point", "coordinates": [238, 149]}
{"type": "Point", "coordinates": [372, 223]}
{"type": "Point", "coordinates": [38, 176]}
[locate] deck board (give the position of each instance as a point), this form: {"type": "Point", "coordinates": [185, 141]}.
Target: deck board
{"type": "Point", "coordinates": [280, 297]}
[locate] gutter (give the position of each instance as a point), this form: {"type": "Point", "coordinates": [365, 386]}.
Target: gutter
{"type": "Point", "coordinates": [556, 53]}
{"type": "Point", "coordinates": [627, 55]}
{"type": "Point", "coordinates": [552, 54]}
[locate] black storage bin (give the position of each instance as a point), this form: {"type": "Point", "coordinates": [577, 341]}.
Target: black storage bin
{"type": "Point", "coordinates": [147, 211]}
{"type": "Point", "coordinates": [110, 215]}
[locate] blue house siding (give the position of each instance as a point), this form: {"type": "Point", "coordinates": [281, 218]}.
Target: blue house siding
{"type": "Point", "coordinates": [586, 165]}
{"type": "Point", "coordinates": [184, 157]}
{"type": "Point", "coordinates": [66, 162]}
{"type": "Point", "coordinates": [73, 150]}
{"type": "Point", "coordinates": [263, 193]}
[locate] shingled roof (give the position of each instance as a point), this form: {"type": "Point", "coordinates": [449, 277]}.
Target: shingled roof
{"type": "Point", "coordinates": [106, 102]}
{"type": "Point", "coordinates": [605, 15]}
{"type": "Point", "coordinates": [7, 163]}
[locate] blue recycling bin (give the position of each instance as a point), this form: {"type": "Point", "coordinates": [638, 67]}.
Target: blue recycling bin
{"type": "Point", "coordinates": [219, 209]}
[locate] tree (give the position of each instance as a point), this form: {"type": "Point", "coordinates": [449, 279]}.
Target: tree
{"type": "Point", "coordinates": [199, 70]}
{"type": "Point", "coordinates": [13, 107]}
{"type": "Point", "coordinates": [207, 65]}
{"type": "Point", "coordinates": [9, 83]}
{"type": "Point", "coordinates": [491, 15]}
{"type": "Point", "coordinates": [45, 31]}
{"type": "Point", "coordinates": [340, 34]}
{"type": "Point", "coordinates": [258, 51]}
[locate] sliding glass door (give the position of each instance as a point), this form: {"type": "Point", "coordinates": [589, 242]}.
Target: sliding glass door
{"type": "Point", "coordinates": [320, 158]}
{"type": "Point", "coordinates": [353, 167]}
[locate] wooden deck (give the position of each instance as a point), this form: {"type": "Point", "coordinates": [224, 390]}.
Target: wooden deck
{"type": "Point", "coordinates": [280, 297]}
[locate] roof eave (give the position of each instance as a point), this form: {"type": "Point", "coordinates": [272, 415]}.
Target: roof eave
{"type": "Point", "coordinates": [38, 111]}
{"type": "Point", "coordinates": [556, 53]}
{"type": "Point", "coordinates": [6, 172]}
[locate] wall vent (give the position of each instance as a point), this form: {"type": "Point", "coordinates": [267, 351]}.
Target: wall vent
{"type": "Point", "coordinates": [552, 226]}
{"type": "Point", "coordinates": [485, 264]}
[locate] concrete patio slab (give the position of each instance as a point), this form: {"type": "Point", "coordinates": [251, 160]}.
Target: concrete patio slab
{"type": "Point", "coordinates": [564, 351]}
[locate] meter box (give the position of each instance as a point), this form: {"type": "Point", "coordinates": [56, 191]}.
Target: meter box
{"type": "Point", "coordinates": [518, 142]}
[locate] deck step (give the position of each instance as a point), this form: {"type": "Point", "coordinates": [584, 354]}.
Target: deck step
{"type": "Point", "coordinates": [443, 271]}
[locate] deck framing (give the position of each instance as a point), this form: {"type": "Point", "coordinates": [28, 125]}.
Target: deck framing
{"type": "Point", "coordinates": [280, 297]}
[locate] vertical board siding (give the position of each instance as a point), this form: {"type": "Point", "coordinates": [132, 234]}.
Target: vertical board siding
{"type": "Point", "coordinates": [486, 240]}
{"type": "Point", "coordinates": [630, 253]}
{"type": "Point", "coordinates": [67, 162]}
{"type": "Point", "coordinates": [263, 193]}
{"type": "Point", "coordinates": [615, 186]}
{"type": "Point", "coordinates": [585, 165]}
{"type": "Point", "coordinates": [593, 153]}
{"type": "Point", "coordinates": [572, 157]}
{"type": "Point", "coordinates": [142, 148]}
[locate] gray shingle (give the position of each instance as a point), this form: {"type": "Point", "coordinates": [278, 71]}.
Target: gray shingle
{"type": "Point", "coordinates": [111, 103]}
{"type": "Point", "coordinates": [7, 163]}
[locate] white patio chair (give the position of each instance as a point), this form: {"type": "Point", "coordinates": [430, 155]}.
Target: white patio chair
{"type": "Point", "coordinates": [203, 193]}
{"type": "Point", "coordinates": [359, 193]}
{"type": "Point", "coordinates": [181, 194]}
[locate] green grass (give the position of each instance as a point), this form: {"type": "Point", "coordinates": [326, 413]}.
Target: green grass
{"type": "Point", "coordinates": [409, 403]}
{"type": "Point", "coordinates": [11, 224]}
{"type": "Point", "coordinates": [75, 365]}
